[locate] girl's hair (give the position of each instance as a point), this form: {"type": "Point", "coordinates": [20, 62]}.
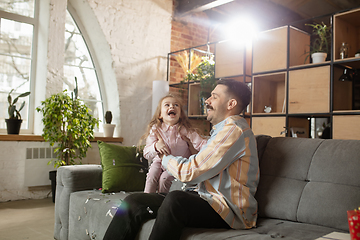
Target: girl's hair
{"type": "Point", "coordinates": [183, 119]}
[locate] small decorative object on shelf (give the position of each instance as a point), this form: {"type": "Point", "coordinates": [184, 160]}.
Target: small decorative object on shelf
{"type": "Point", "coordinates": [357, 54]}
{"type": "Point", "coordinates": [267, 109]}
{"type": "Point", "coordinates": [344, 50]}
{"type": "Point", "coordinates": [108, 127]}
{"type": "Point", "coordinates": [354, 223]}
{"type": "Point", "coordinates": [13, 124]}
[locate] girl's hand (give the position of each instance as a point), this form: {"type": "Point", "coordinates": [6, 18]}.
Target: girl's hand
{"type": "Point", "coordinates": [160, 146]}
{"type": "Point", "coordinates": [190, 145]}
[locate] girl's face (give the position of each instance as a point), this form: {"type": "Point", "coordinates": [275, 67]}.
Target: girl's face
{"type": "Point", "coordinates": [170, 111]}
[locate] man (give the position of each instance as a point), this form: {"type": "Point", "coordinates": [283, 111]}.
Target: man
{"type": "Point", "coordinates": [225, 172]}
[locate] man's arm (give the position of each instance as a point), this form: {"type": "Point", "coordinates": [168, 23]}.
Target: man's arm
{"type": "Point", "coordinates": [227, 146]}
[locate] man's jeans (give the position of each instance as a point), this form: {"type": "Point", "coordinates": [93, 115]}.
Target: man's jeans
{"type": "Point", "coordinates": [173, 212]}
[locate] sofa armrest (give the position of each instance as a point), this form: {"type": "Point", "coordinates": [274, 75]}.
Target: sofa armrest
{"type": "Point", "coordinates": [71, 179]}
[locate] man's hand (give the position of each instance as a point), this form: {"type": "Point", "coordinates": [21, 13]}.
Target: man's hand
{"type": "Point", "coordinates": [190, 145]}
{"type": "Point", "coordinates": [160, 146]}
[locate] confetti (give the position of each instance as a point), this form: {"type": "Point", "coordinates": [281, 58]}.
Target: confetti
{"type": "Point", "coordinates": [85, 210]}
{"type": "Point", "coordinates": [141, 170]}
{"type": "Point", "coordinates": [87, 232]}
{"type": "Point", "coordinates": [113, 162]}
{"type": "Point", "coordinates": [79, 218]}
{"type": "Point", "coordinates": [149, 210]}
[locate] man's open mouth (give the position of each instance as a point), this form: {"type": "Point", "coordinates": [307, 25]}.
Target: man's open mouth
{"type": "Point", "coordinates": [208, 107]}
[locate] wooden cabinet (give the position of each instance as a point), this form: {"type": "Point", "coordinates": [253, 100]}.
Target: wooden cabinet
{"type": "Point", "coordinates": [270, 50]}
{"type": "Point", "coordinates": [346, 127]}
{"type": "Point", "coordinates": [232, 59]}
{"type": "Point", "coordinates": [272, 126]}
{"type": "Point", "coordinates": [309, 90]}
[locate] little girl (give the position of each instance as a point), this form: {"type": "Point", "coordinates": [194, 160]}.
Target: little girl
{"type": "Point", "coordinates": [169, 132]}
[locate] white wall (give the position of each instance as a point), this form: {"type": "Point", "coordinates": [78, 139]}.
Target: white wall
{"type": "Point", "coordinates": [137, 40]}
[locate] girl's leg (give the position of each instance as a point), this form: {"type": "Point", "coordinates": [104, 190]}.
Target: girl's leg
{"type": "Point", "coordinates": [165, 182]}
{"type": "Point", "coordinates": [184, 209]}
{"type": "Point", "coordinates": [152, 178]}
{"type": "Point", "coordinates": [136, 209]}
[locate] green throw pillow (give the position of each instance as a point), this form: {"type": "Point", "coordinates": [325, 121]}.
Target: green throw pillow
{"type": "Point", "coordinates": [123, 169]}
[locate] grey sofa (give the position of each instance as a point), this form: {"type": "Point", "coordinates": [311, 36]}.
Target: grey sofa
{"type": "Point", "coordinates": [306, 186]}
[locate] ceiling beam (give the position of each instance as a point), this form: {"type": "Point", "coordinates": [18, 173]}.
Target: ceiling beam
{"type": "Point", "coordinates": [185, 7]}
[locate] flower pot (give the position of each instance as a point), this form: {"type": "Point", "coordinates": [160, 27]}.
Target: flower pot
{"type": "Point", "coordinates": [13, 125]}
{"type": "Point", "coordinates": [318, 57]}
{"type": "Point", "coordinates": [109, 130]}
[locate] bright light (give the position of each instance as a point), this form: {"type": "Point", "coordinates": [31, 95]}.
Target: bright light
{"type": "Point", "coordinates": [242, 30]}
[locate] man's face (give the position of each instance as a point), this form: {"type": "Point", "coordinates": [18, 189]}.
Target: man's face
{"type": "Point", "coordinates": [217, 104]}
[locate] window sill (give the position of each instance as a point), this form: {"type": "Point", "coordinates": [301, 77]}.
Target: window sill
{"type": "Point", "coordinates": [37, 138]}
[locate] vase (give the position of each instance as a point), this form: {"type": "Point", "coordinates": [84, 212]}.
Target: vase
{"type": "Point", "coordinates": [109, 130]}
{"type": "Point", "coordinates": [13, 125]}
{"type": "Point", "coordinates": [344, 50]}
{"type": "Point", "coordinates": [318, 57]}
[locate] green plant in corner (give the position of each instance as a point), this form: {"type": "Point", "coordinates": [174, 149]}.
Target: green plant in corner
{"type": "Point", "coordinates": [13, 112]}
{"type": "Point", "coordinates": [69, 124]}
{"type": "Point", "coordinates": [322, 33]}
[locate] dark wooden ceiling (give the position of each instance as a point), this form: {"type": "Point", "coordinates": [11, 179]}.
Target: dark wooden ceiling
{"type": "Point", "coordinates": [267, 13]}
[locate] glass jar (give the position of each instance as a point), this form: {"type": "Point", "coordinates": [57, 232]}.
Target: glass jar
{"type": "Point", "coordinates": [344, 50]}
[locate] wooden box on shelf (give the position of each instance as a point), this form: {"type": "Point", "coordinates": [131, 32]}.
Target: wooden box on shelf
{"type": "Point", "coordinates": [299, 47]}
{"type": "Point", "coordinates": [309, 90]}
{"type": "Point", "coordinates": [269, 90]}
{"type": "Point", "coordinates": [272, 126]}
{"type": "Point", "coordinates": [270, 50]}
{"type": "Point", "coordinates": [194, 101]}
{"type": "Point", "coordinates": [346, 127]}
{"type": "Point", "coordinates": [232, 59]}
{"type": "Point", "coordinates": [299, 126]}
{"type": "Point", "coordinates": [347, 29]}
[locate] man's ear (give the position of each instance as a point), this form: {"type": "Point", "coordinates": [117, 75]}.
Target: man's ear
{"type": "Point", "coordinates": [232, 103]}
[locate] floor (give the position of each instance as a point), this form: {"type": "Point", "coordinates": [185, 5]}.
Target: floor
{"type": "Point", "coordinates": [27, 219]}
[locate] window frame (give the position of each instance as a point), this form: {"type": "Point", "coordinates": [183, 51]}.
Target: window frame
{"type": "Point", "coordinates": [33, 21]}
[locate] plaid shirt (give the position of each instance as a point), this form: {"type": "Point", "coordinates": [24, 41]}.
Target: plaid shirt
{"type": "Point", "coordinates": [226, 172]}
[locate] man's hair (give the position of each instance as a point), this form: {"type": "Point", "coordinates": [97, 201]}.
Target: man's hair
{"type": "Point", "coordinates": [238, 90]}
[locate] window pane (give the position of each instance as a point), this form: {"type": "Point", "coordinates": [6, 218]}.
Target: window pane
{"type": "Point", "coordinates": [16, 38]}
{"type": "Point", "coordinates": [76, 51]}
{"type": "Point", "coordinates": [25, 8]}
{"type": "Point", "coordinates": [15, 66]}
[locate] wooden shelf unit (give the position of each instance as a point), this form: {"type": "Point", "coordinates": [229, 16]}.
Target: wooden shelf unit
{"type": "Point", "coordinates": [300, 93]}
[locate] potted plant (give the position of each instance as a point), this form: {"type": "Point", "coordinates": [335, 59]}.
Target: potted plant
{"type": "Point", "coordinates": [69, 124]}
{"type": "Point", "coordinates": [13, 124]}
{"type": "Point", "coordinates": [108, 127]}
{"type": "Point", "coordinates": [320, 47]}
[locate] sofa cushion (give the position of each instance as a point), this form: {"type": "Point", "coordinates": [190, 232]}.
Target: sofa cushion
{"type": "Point", "coordinates": [334, 184]}
{"type": "Point", "coordinates": [123, 168]}
{"type": "Point", "coordinates": [284, 168]}
{"type": "Point", "coordinates": [90, 213]}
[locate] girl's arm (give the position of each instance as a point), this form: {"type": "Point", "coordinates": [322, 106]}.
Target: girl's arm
{"type": "Point", "coordinates": [149, 149]}
{"type": "Point", "coordinates": [155, 145]}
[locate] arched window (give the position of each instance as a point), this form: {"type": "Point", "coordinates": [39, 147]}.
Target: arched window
{"type": "Point", "coordinates": [18, 41]}
{"type": "Point", "coordinates": [78, 63]}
